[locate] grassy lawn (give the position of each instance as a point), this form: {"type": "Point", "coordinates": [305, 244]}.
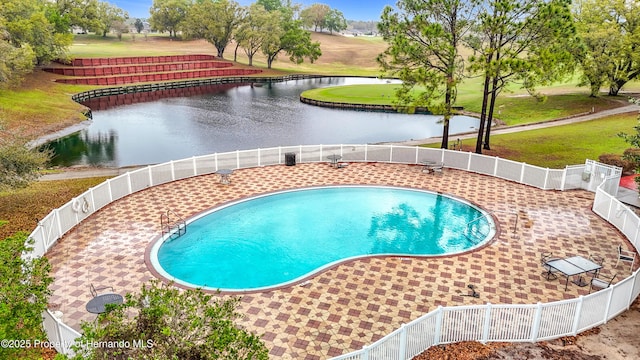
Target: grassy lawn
{"type": "Point", "coordinates": [21, 208]}
{"type": "Point", "coordinates": [556, 147]}
{"type": "Point", "coordinates": [356, 94]}
{"type": "Point", "coordinates": [510, 110]}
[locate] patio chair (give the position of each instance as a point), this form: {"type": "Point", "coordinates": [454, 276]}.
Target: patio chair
{"type": "Point", "coordinates": [549, 272]}
{"type": "Point", "coordinates": [599, 283]}
{"type": "Point", "coordinates": [94, 290]}
{"type": "Point", "coordinates": [626, 255]}
{"type": "Point", "coordinates": [598, 260]}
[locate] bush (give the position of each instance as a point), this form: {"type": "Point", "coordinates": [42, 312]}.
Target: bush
{"type": "Point", "coordinates": [169, 323]}
{"type": "Point", "coordinates": [24, 293]}
{"type": "Point", "coordinates": [618, 160]}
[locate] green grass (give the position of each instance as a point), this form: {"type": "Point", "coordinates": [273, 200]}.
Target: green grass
{"type": "Point", "coordinates": [556, 147]}
{"type": "Point", "coordinates": [510, 110]}
{"type": "Point", "coordinates": [91, 45]}
{"type": "Point", "coordinates": [356, 94]}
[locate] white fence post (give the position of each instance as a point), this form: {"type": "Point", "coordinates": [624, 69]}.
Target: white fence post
{"type": "Point", "coordinates": [487, 324]}
{"type": "Point", "coordinates": [608, 308]}
{"type": "Point", "coordinates": [576, 320]}
{"type": "Point", "coordinates": [535, 329]}
{"type": "Point", "coordinates": [403, 342]}
{"type": "Point", "coordinates": [437, 334]}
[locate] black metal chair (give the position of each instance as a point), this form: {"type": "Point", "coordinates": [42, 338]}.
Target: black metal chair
{"type": "Point", "coordinates": [598, 260]}
{"type": "Point", "coordinates": [599, 283]}
{"type": "Point", "coordinates": [549, 272]}
{"type": "Point", "coordinates": [94, 290]}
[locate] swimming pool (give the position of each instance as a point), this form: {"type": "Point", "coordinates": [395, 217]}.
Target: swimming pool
{"type": "Point", "coordinates": [280, 238]}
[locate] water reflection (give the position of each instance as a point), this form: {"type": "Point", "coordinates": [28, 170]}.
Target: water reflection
{"type": "Point", "coordinates": [434, 228]}
{"type": "Point", "coordinates": [168, 125]}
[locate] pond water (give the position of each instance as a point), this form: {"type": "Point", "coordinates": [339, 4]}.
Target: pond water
{"type": "Point", "coordinates": [156, 127]}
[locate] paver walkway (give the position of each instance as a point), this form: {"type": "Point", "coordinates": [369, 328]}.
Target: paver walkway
{"type": "Point", "coordinates": [360, 301]}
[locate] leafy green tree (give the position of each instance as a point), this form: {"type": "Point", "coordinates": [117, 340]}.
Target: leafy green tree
{"type": "Point", "coordinates": [424, 41]}
{"type": "Point", "coordinates": [259, 28]}
{"type": "Point", "coordinates": [15, 61]}
{"type": "Point", "coordinates": [270, 5]}
{"type": "Point", "coordinates": [19, 165]}
{"type": "Point", "coordinates": [634, 140]}
{"type": "Point", "coordinates": [108, 16]}
{"type": "Point", "coordinates": [609, 51]}
{"type": "Point", "coordinates": [166, 15]}
{"type": "Point", "coordinates": [80, 13]}
{"type": "Point", "coordinates": [171, 323]}
{"type": "Point", "coordinates": [335, 21]}
{"type": "Point", "coordinates": [294, 40]}
{"type": "Point", "coordinates": [25, 23]}
{"type": "Point", "coordinates": [24, 294]}
{"type": "Point", "coordinates": [315, 16]}
{"type": "Point", "coordinates": [519, 40]}
{"type": "Point", "coordinates": [213, 21]}
{"type": "Point", "coordinates": [139, 25]}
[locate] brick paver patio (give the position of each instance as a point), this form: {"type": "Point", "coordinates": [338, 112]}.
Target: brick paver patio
{"type": "Point", "coordinates": [357, 302]}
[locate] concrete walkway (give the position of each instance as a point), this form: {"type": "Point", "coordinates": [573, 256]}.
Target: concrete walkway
{"type": "Point", "coordinates": [534, 126]}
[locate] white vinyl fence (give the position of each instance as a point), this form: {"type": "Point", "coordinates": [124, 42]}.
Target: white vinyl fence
{"type": "Point", "coordinates": [516, 323]}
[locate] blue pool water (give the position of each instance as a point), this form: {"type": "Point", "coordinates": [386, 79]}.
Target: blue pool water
{"type": "Point", "coordinates": [280, 238]}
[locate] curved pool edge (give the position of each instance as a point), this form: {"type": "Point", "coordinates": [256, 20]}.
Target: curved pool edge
{"type": "Point", "coordinates": [152, 264]}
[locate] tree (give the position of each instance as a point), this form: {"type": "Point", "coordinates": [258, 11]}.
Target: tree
{"type": "Point", "coordinates": [80, 13]}
{"type": "Point", "coordinates": [270, 5]}
{"type": "Point", "coordinates": [15, 62]}
{"type": "Point", "coordinates": [335, 21]}
{"type": "Point", "coordinates": [294, 40]}
{"type": "Point", "coordinates": [259, 28]}
{"type": "Point", "coordinates": [609, 51]}
{"type": "Point", "coordinates": [519, 40]}
{"type": "Point", "coordinates": [25, 24]}
{"type": "Point", "coordinates": [108, 16]}
{"type": "Point", "coordinates": [315, 16]}
{"type": "Point", "coordinates": [213, 21]}
{"type": "Point", "coordinates": [166, 15]}
{"type": "Point", "coordinates": [19, 165]}
{"type": "Point", "coordinates": [24, 294]}
{"type": "Point", "coordinates": [424, 41]}
{"type": "Point", "coordinates": [170, 323]}
{"type": "Point", "coordinates": [634, 140]}
{"type": "Point", "coordinates": [139, 25]}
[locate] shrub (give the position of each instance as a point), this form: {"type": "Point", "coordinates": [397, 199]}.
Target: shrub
{"type": "Point", "coordinates": [24, 293]}
{"type": "Point", "coordinates": [168, 323]}
{"type": "Point", "coordinates": [617, 160]}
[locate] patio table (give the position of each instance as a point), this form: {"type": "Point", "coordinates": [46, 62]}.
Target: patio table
{"type": "Point", "coordinates": [575, 265]}
{"type": "Point", "coordinates": [98, 304]}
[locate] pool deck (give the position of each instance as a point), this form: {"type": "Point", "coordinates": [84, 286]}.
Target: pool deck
{"type": "Point", "coordinates": [355, 303]}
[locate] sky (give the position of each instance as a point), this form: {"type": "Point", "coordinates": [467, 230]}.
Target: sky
{"type": "Point", "coordinates": [352, 10]}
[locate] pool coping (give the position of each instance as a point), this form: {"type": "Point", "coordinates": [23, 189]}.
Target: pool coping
{"type": "Point", "coordinates": [304, 279]}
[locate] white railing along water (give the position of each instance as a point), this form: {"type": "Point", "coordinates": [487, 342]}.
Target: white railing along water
{"type": "Point", "coordinates": [490, 322]}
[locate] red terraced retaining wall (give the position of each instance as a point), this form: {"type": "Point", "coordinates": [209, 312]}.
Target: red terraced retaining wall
{"type": "Point", "coordinates": [139, 60]}
{"type": "Point", "coordinates": [128, 79]}
{"type": "Point", "coordinates": [136, 69]}
{"type": "Point", "coordinates": [106, 102]}
{"type": "Point", "coordinates": [145, 69]}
